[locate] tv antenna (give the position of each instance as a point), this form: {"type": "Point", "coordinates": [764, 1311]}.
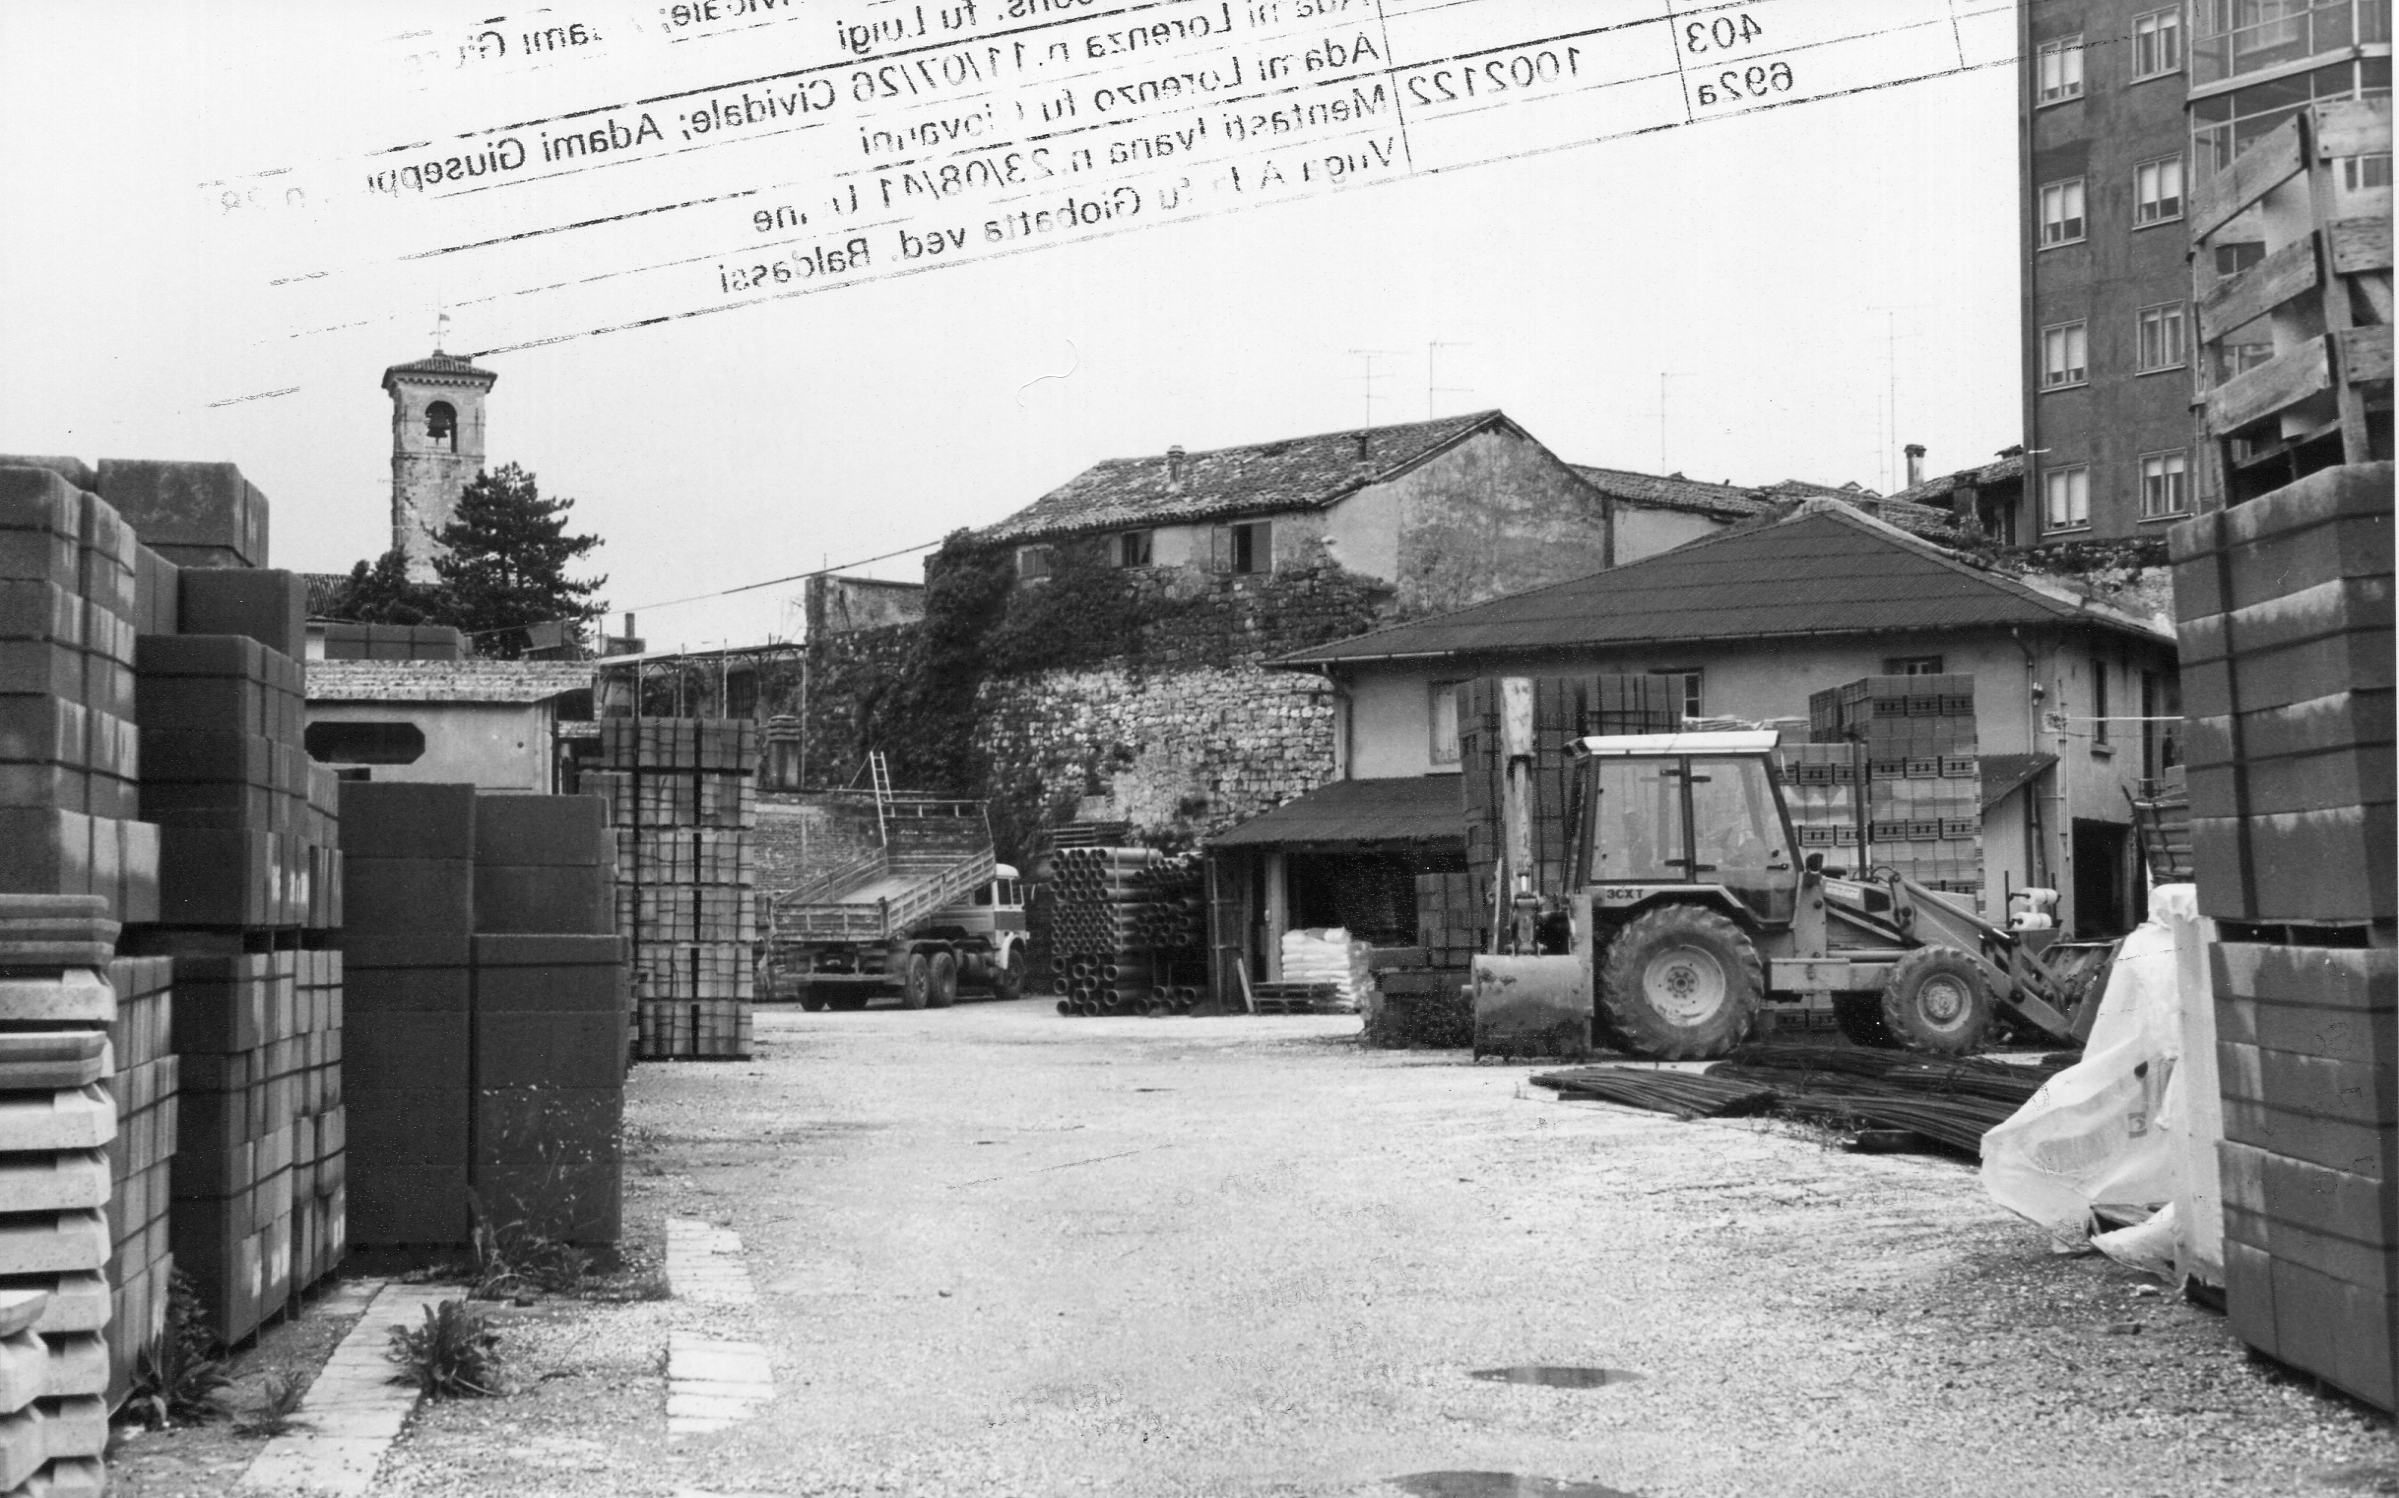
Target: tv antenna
{"type": "Point", "coordinates": [1370, 355]}
{"type": "Point", "coordinates": [1433, 391]}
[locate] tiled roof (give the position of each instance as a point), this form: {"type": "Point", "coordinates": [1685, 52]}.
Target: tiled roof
{"type": "Point", "coordinates": [446, 681]}
{"type": "Point", "coordinates": [1264, 477]}
{"type": "Point", "coordinates": [1824, 569]}
{"type": "Point", "coordinates": [1415, 811]}
{"type": "Point", "coordinates": [1673, 492]}
{"type": "Point", "coordinates": [324, 588]}
{"type": "Point", "coordinates": [1974, 478]}
{"type": "Point", "coordinates": [438, 368]}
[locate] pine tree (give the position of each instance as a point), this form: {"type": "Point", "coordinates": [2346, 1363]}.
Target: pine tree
{"type": "Point", "coordinates": [506, 567]}
{"type": "Point", "coordinates": [384, 594]}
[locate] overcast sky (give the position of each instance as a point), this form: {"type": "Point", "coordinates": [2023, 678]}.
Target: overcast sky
{"type": "Point", "coordinates": [1764, 262]}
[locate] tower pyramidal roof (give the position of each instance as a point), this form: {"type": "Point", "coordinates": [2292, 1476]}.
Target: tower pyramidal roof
{"type": "Point", "coordinates": [439, 368]}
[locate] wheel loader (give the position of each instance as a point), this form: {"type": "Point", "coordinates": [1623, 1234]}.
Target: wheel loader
{"type": "Point", "coordinates": [1688, 915]}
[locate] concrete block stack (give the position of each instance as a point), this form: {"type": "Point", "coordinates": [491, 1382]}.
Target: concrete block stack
{"type": "Point", "coordinates": [1923, 776]}
{"type": "Point", "coordinates": [1824, 786]}
{"type": "Point", "coordinates": [140, 1163]}
{"type": "Point", "coordinates": [683, 797]}
{"type": "Point", "coordinates": [392, 642]}
{"type": "Point", "coordinates": [2284, 619]}
{"type": "Point", "coordinates": [57, 1121]}
{"type": "Point", "coordinates": [547, 1039]}
{"type": "Point", "coordinates": [1564, 708]}
{"type": "Point", "coordinates": [407, 957]}
{"type": "Point", "coordinates": [71, 606]}
{"type": "Point", "coordinates": [486, 1016]}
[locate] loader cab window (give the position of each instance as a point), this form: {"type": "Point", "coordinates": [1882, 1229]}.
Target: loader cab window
{"type": "Point", "coordinates": [1636, 821]}
{"type": "Point", "coordinates": [1738, 836]}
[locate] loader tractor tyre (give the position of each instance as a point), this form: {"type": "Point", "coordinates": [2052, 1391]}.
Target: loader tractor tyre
{"type": "Point", "coordinates": [916, 981]}
{"type": "Point", "coordinates": [1009, 982]}
{"type": "Point", "coordinates": [944, 992]}
{"type": "Point", "coordinates": [1937, 1000]}
{"type": "Point", "coordinates": [1681, 983]}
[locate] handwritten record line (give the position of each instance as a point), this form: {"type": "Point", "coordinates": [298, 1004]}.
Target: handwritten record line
{"type": "Point", "coordinates": [792, 149]}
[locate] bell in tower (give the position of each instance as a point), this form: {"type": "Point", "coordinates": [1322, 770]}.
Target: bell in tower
{"type": "Point", "coordinates": [437, 447]}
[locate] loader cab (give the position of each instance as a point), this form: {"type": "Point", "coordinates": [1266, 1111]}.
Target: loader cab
{"type": "Point", "coordinates": [1665, 811]}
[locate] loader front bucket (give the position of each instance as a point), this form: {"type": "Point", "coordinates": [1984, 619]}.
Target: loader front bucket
{"type": "Point", "coordinates": [1532, 1006]}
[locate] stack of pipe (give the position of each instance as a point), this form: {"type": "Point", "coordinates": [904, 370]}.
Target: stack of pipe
{"type": "Point", "coordinates": [1126, 930]}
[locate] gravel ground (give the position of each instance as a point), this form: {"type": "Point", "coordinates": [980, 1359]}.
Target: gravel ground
{"type": "Point", "coordinates": [1001, 1252]}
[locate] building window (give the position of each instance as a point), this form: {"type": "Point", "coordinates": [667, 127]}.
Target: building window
{"type": "Point", "coordinates": [2157, 43]}
{"type": "Point", "coordinates": [1033, 563]}
{"type": "Point", "coordinates": [2098, 702]}
{"type": "Point", "coordinates": [2162, 480]}
{"type": "Point", "coordinates": [1686, 685]}
{"type": "Point", "coordinates": [2224, 125]}
{"type": "Point", "coordinates": [2161, 712]}
{"type": "Point", "coordinates": [2061, 70]}
{"type": "Point", "coordinates": [2157, 191]}
{"type": "Point", "coordinates": [1445, 721]}
{"type": "Point", "coordinates": [2160, 343]}
{"type": "Point", "coordinates": [2366, 173]}
{"type": "Point", "coordinates": [2065, 356]}
{"type": "Point", "coordinates": [2061, 213]}
{"type": "Point", "coordinates": [354, 743]}
{"type": "Point", "coordinates": [1133, 548]}
{"type": "Point", "coordinates": [441, 425]}
{"type": "Point", "coordinates": [2232, 259]}
{"type": "Point", "coordinates": [1248, 548]}
{"type": "Point", "coordinates": [2066, 498]}
{"type": "Point", "coordinates": [1912, 665]}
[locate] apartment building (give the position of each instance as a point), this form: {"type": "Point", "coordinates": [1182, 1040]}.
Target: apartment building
{"type": "Point", "coordinates": [2126, 107]}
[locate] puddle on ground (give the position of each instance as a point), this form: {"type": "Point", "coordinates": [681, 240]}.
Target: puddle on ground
{"type": "Point", "coordinates": [1498, 1485]}
{"type": "Point", "coordinates": [1552, 1376]}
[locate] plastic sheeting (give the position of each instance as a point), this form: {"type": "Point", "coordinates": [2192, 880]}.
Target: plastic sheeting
{"type": "Point", "coordinates": [2133, 1126]}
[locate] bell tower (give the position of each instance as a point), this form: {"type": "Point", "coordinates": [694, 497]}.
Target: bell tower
{"type": "Point", "coordinates": [437, 446]}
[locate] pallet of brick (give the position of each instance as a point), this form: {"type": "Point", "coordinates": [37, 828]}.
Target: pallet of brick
{"type": "Point", "coordinates": [548, 1053]}
{"type": "Point", "coordinates": [1562, 709]}
{"type": "Point", "coordinates": [68, 751]}
{"type": "Point", "coordinates": [145, 1087]}
{"type": "Point", "coordinates": [2308, 1043]}
{"type": "Point", "coordinates": [409, 908]}
{"type": "Point", "coordinates": [57, 1123]}
{"type": "Point", "coordinates": [1824, 785]}
{"type": "Point", "coordinates": [2284, 620]}
{"type": "Point", "coordinates": [392, 642]}
{"type": "Point", "coordinates": [1923, 786]}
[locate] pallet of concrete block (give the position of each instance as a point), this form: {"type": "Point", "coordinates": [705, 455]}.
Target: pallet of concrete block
{"type": "Point", "coordinates": [693, 1029]}
{"type": "Point", "coordinates": [392, 642]}
{"type": "Point", "coordinates": [140, 1158]}
{"type": "Point", "coordinates": [2284, 617]}
{"type": "Point", "coordinates": [549, 1065]}
{"type": "Point", "coordinates": [679, 744]}
{"type": "Point", "coordinates": [70, 607]}
{"type": "Point", "coordinates": [2308, 1042]}
{"type": "Point", "coordinates": [1453, 918]}
{"type": "Point", "coordinates": [57, 1123]}
{"type": "Point", "coordinates": [1417, 999]}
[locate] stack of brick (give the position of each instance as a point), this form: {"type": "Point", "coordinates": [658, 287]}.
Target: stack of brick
{"type": "Point", "coordinates": [391, 642]}
{"type": "Point", "coordinates": [1822, 784]}
{"type": "Point", "coordinates": [72, 601]}
{"type": "Point", "coordinates": [1923, 779]}
{"type": "Point", "coordinates": [2284, 608]}
{"type": "Point", "coordinates": [1564, 708]}
{"type": "Point", "coordinates": [682, 796]}
{"type": "Point", "coordinates": [1421, 992]}
{"type": "Point", "coordinates": [57, 1121]}
{"type": "Point", "coordinates": [407, 950]}
{"type": "Point", "coordinates": [250, 890]}
{"type": "Point", "coordinates": [140, 1163]}
{"type": "Point", "coordinates": [547, 1051]}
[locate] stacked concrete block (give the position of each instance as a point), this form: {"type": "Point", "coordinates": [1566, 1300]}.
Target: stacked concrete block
{"type": "Point", "coordinates": [57, 1123]}
{"type": "Point", "coordinates": [392, 642]}
{"type": "Point", "coordinates": [549, 1065]}
{"type": "Point", "coordinates": [1564, 708]}
{"type": "Point", "coordinates": [2285, 624]}
{"type": "Point", "coordinates": [140, 1163]}
{"type": "Point", "coordinates": [682, 796]}
{"type": "Point", "coordinates": [196, 515]}
{"type": "Point", "coordinates": [70, 606]}
{"type": "Point", "coordinates": [1923, 777]}
{"type": "Point", "coordinates": [1825, 787]}
{"type": "Point", "coordinates": [409, 912]}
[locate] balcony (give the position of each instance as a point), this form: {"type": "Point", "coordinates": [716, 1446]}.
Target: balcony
{"type": "Point", "coordinates": [2270, 36]}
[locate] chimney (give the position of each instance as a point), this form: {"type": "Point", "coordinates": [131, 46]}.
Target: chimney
{"type": "Point", "coordinates": [1174, 467]}
{"type": "Point", "coordinates": [1915, 452]}
{"type": "Point", "coordinates": [1362, 436]}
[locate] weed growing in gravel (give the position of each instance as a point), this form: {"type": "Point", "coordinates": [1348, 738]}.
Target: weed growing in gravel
{"type": "Point", "coordinates": [511, 1259]}
{"type": "Point", "coordinates": [271, 1415]}
{"type": "Point", "coordinates": [179, 1379]}
{"type": "Point", "coordinates": [453, 1355]}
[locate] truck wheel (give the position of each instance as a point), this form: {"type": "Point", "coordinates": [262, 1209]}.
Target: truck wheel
{"type": "Point", "coordinates": [849, 1002]}
{"type": "Point", "coordinates": [811, 1000]}
{"type": "Point", "coordinates": [1860, 1016]}
{"type": "Point", "coordinates": [916, 981]}
{"type": "Point", "coordinates": [1009, 982]}
{"type": "Point", "coordinates": [944, 978]}
{"type": "Point", "coordinates": [1681, 983]}
{"type": "Point", "coordinates": [1937, 1000]}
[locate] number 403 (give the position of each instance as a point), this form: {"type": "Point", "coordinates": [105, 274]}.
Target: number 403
{"type": "Point", "coordinates": [1721, 34]}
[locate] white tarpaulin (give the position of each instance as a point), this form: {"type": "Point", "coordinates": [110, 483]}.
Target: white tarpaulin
{"type": "Point", "coordinates": [2134, 1124]}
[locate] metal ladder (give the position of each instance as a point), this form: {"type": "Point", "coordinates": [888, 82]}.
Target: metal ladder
{"type": "Point", "coordinates": [878, 772]}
